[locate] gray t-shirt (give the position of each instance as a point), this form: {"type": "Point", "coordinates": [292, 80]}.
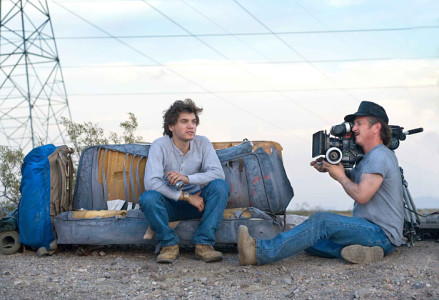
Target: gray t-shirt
{"type": "Point", "coordinates": [386, 208]}
{"type": "Point", "coordinates": [201, 165]}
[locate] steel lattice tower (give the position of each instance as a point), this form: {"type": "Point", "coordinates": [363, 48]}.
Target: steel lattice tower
{"type": "Point", "coordinates": [33, 97]}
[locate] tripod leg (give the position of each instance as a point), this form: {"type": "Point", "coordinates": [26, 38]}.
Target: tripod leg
{"type": "Point", "coordinates": [411, 218]}
{"type": "Point", "coordinates": [415, 211]}
{"type": "Point", "coordinates": [409, 228]}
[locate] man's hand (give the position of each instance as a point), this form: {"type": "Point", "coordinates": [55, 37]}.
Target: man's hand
{"type": "Point", "coordinates": [197, 201]}
{"type": "Point", "coordinates": [337, 172]}
{"type": "Point", "coordinates": [318, 165]}
{"type": "Point", "coordinates": [174, 177]}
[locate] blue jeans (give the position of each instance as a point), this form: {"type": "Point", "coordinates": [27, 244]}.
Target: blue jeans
{"type": "Point", "coordinates": [159, 211]}
{"type": "Point", "coordinates": [323, 234]}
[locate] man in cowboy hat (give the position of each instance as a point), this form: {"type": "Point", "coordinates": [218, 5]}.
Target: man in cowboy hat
{"type": "Point", "coordinates": [378, 214]}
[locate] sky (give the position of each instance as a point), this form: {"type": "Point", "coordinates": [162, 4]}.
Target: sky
{"type": "Point", "coordinates": [262, 70]}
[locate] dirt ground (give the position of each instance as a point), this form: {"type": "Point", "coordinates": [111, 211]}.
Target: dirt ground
{"type": "Point", "coordinates": [131, 272]}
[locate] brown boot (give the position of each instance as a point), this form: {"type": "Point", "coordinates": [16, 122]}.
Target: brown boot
{"type": "Point", "coordinates": [246, 247]}
{"type": "Point", "coordinates": [207, 254]}
{"type": "Point", "coordinates": [168, 254]}
{"type": "Point", "coordinates": [358, 254]}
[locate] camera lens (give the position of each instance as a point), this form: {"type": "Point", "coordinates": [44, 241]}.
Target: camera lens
{"type": "Point", "coordinates": [333, 155]}
{"type": "Point", "coordinates": [341, 129]}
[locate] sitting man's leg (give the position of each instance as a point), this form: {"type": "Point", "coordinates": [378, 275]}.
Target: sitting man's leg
{"type": "Point", "coordinates": [340, 230]}
{"type": "Point", "coordinates": [215, 196]}
{"type": "Point", "coordinates": [157, 209]}
{"type": "Point", "coordinates": [356, 254]}
{"type": "Point", "coordinates": [325, 248]}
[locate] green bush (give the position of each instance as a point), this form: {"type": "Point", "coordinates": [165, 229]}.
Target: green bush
{"type": "Point", "coordinates": [83, 134]}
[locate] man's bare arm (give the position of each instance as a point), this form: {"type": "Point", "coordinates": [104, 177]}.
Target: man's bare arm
{"type": "Point", "coordinates": [362, 192]}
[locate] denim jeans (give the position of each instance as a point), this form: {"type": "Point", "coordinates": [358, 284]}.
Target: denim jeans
{"type": "Point", "coordinates": [323, 234]}
{"type": "Point", "coordinates": [159, 211]}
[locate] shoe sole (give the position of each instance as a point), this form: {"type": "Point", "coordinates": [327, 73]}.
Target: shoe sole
{"type": "Point", "coordinates": [165, 261]}
{"type": "Point", "coordinates": [243, 235]}
{"type": "Point", "coordinates": [211, 259]}
{"type": "Point", "coordinates": [358, 254]}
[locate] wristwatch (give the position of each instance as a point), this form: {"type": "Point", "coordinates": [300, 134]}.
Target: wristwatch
{"type": "Point", "coordinates": [186, 196]}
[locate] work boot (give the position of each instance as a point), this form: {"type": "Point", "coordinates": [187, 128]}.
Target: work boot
{"type": "Point", "coordinates": [168, 254]}
{"type": "Point", "coordinates": [207, 254]}
{"type": "Point", "coordinates": [246, 247]}
{"type": "Point", "coordinates": [358, 254]}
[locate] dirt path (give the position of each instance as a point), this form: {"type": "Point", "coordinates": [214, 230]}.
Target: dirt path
{"type": "Point", "coordinates": [131, 272]}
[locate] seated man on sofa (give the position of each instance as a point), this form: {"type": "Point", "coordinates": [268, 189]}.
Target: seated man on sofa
{"type": "Point", "coordinates": [178, 158]}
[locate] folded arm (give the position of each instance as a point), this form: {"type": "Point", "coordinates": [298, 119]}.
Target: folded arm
{"type": "Point", "coordinates": [154, 174]}
{"type": "Point", "coordinates": [211, 168]}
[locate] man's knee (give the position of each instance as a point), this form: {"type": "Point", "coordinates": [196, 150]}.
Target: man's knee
{"type": "Point", "coordinates": [221, 187]}
{"type": "Point", "coordinates": [149, 199]}
{"type": "Point", "coordinates": [321, 216]}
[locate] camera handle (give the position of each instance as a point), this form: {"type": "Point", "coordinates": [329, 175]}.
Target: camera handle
{"type": "Point", "coordinates": [411, 215]}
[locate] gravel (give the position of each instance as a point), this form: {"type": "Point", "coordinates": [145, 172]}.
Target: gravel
{"type": "Point", "coordinates": [116, 272]}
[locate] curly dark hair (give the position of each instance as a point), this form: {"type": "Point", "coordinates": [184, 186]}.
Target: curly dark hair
{"type": "Point", "coordinates": [385, 132]}
{"type": "Point", "coordinates": [171, 115]}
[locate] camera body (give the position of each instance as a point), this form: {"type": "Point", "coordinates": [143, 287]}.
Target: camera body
{"type": "Point", "coordinates": [338, 146]}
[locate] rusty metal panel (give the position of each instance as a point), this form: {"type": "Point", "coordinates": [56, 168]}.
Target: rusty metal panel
{"type": "Point", "coordinates": [90, 191]}
{"type": "Point", "coordinates": [113, 163]}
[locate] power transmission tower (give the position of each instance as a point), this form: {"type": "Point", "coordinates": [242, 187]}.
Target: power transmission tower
{"type": "Point", "coordinates": [33, 97]}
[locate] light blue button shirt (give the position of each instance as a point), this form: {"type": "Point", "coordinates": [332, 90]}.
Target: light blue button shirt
{"type": "Point", "coordinates": [201, 165]}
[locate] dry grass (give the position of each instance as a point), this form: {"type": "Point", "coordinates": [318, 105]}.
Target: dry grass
{"type": "Point", "coordinates": [306, 212]}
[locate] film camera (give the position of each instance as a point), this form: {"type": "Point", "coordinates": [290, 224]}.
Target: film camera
{"type": "Point", "coordinates": [339, 145]}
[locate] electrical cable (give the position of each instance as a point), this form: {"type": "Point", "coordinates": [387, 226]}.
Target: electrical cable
{"type": "Point", "coordinates": [175, 72]}
{"type": "Point", "coordinates": [322, 24]}
{"type": "Point", "coordinates": [231, 34]}
{"type": "Point", "coordinates": [312, 112]}
{"type": "Point", "coordinates": [420, 215]}
{"type": "Point", "coordinates": [223, 63]}
{"type": "Point", "coordinates": [293, 49]}
{"type": "Point", "coordinates": [224, 29]}
{"type": "Point", "coordinates": [251, 91]}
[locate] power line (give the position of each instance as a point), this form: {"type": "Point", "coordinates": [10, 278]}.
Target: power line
{"type": "Point", "coordinates": [292, 48]}
{"type": "Point", "coordinates": [224, 29]}
{"type": "Point", "coordinates": [176, 73]}
{"type": "Point", "coordinates": [222, 63]}
{"type": "Point", "coordinates": [231, 34]}
{"type": "Point", "coordinates": [206, 91]}
{"type": "Point", "coordinates": [233, 62]}
{"type": "Point", "coordinates": [257, 91]}
{"type": "Point", "coordinates": [322, 24]}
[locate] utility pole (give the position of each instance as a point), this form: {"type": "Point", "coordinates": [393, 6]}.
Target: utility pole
{"type": "Point", "coordinates": [33, 97]}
